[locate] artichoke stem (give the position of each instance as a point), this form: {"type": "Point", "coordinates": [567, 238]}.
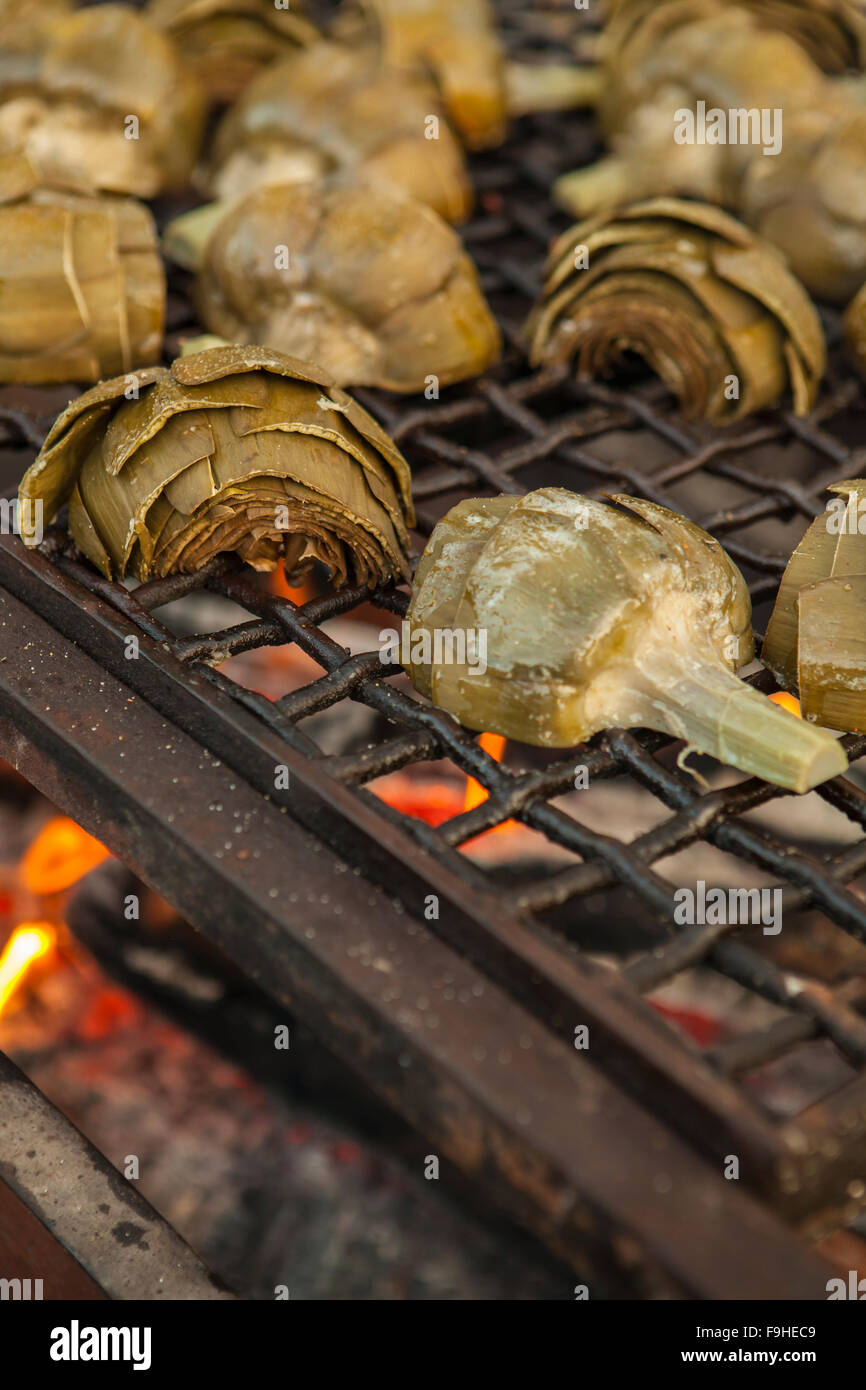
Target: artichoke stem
{"type": "Point", "coordinates": [550, 87]}
{"type": "Point", "coordinates": [599, 187]}
{"type": "Point", "coordinates": [713, 710]}
{"type": "Point", "coordinates": [185, 238]}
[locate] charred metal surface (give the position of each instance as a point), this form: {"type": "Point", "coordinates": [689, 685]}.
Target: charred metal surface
{"type": "Point", "coordinates": [562, 1149]}
{"type": "Point", "coordinates": [755, 486]}
{"type": "Point", "coordinates": [77, 1224]}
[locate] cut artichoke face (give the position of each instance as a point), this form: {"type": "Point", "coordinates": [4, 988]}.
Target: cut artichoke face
{"type": "Point", "coordinates": [83, 287]}
{"type": "Point", "coordinates": [227, 42]}
{"type": "Point", "coordinates": [456, 41]}
{"type": "Point", "coordinates": [702, 299]}
{"type": "Point", "coordinates": [332, 110]}
{"type": "Point", "coordinates": [815, 637]}
{"type": "Point", "coordinates": [598, 616]}
{"type": "Point", "coordinates": [109, 107]}
{"type": "Point", "coordinates": [231, 449]}
{"type": "Point", "coordinates": [376, 288]}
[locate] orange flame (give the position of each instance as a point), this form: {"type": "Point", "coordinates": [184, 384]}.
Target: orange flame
{"type": "Point", "coordinates": [26, 945]}
{"type": "Point", "coordinates": [298, 593]}
{"type": "Point", "coordinates": [61, 854]}
{"type": "Point", "coordinates": [494, 744]}
{"type": "Point", "coordinates": [788, 702]}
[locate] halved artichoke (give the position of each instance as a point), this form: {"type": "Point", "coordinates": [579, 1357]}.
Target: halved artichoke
{"type": "Point", "coordinates": [330, 109]}
{"type": "Point", "coordinates": [371, 285]}
{"type": "Point", "coordinates": [456, 41]}
{"type": "Point", "coordinates": [596, 616]}
{"type": "Point", "coordinates": [711, 308]}
{"type": "Point", "coordinates": [227, 42]}
{"type": "Point", "coordinates": [229, 449]}
{"type": "Point", "coordinates": [82, 288]}
{"type": "Point", "coordinates": [108, 106]}
{"type": "Point", "coordinates": [816, 638]}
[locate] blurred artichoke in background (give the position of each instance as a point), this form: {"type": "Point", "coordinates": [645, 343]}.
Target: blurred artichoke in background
{"type": "Point", "coordinates": [806, 194]}
{"type": "Point", "coordinates": [25, 26]}
{"type": "Point", "coordinates": [82, 288]}
{"type": "Point", "coordinates": [810, 200]}
{"type": "Point", "coordinates": [832, 32]}
{"type": "Point", "coordinates": [226, 42]}
{"type": "Point", "coordinates": [707, 304]}
{"type": "Point", "coordinates": [329, 109]}
{"type": "Point", "coordinates": [231, 449]}
{"type": "Point", "coordinates": [454, 40]}
{"type": "Point", "coordinates": [588, 616]}
{"type": "Point", "coordinates": [372, 286]}
{"type": "Point", "coordinates": [108, 106]}
{"type": "Point", "coordinates": [816, 637]}
{"type": "Point", "coordinates": [855, 329]}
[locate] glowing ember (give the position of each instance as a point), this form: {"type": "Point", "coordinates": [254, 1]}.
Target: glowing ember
{"type": "Point", "coordinates": [27, 943]}
{"type": "Point", "coordinates": [61, 854]}
{"type": "Point", "coordinates": [494, 744]}
{"type": "Point", "coordinates": [788, 702]}
{"type": "Point", "coordinates": [300, 593]}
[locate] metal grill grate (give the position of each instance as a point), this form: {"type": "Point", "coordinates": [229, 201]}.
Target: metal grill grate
{"type": "Point", "coordinates": [755, 487]}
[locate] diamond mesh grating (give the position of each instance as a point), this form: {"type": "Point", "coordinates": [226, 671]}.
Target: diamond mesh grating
{"type": "Point", "coordinates": [754, 487]}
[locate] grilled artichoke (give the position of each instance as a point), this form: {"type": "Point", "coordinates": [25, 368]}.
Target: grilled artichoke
{"type": "Point", "coordinates": [693, 96]}
{"type": "Point", "coordinates": [708, 305]}
{"type": "Point", "coordinates": [816, 637]}
{"type": "Point", "coordinates": [227, 42]}
{"type": "Point", "coordinates": [456, 41]}
{"type": "Point", "coordinates": [598, 616]}
{"type": "Point", "coordinates": [810, 201]}
{"type": "Point", "coordinates": [108, 106]}
{"type": "Point", "coordinates": [371, 285]}
{"type": "Point", "coordinates": [330, 109]}
{"type": "Point", "coordinates": [82, 289]}
{"type": "Point", "coordinates": [229, 449]}
{"type": "Point", "coordinates": [25, 26]}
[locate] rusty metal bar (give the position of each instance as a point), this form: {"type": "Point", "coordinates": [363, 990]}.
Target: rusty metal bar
{"type": "Point", "coordinates": [563, 990]}
{"type": "Point", "coordinates": [562, 1150]}
{"type": "Point", "coordinates": [69, 1219]}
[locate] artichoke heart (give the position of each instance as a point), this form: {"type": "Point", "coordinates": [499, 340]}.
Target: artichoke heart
{"type": "Point", "coordinates": [590, 616]}
{"type": "Point", "coordinates": [82, 288]}
{"type": "Point", "coordinates": [710, 307]}
{"type": "Point", "coordinates": [106, 106]}
{"type": "Point", "coordinates": [816, 638]}
{"type": "Point", "coordinates": [227, 42]}
{"type": "Point", "coordinates": [331, 109]}
{"type": "Point", "coordinates": [229, 449]}
{"type": "Point", "coordinates": [456, 41]}
{"type": "Point", "coordinates": [371, 285]}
